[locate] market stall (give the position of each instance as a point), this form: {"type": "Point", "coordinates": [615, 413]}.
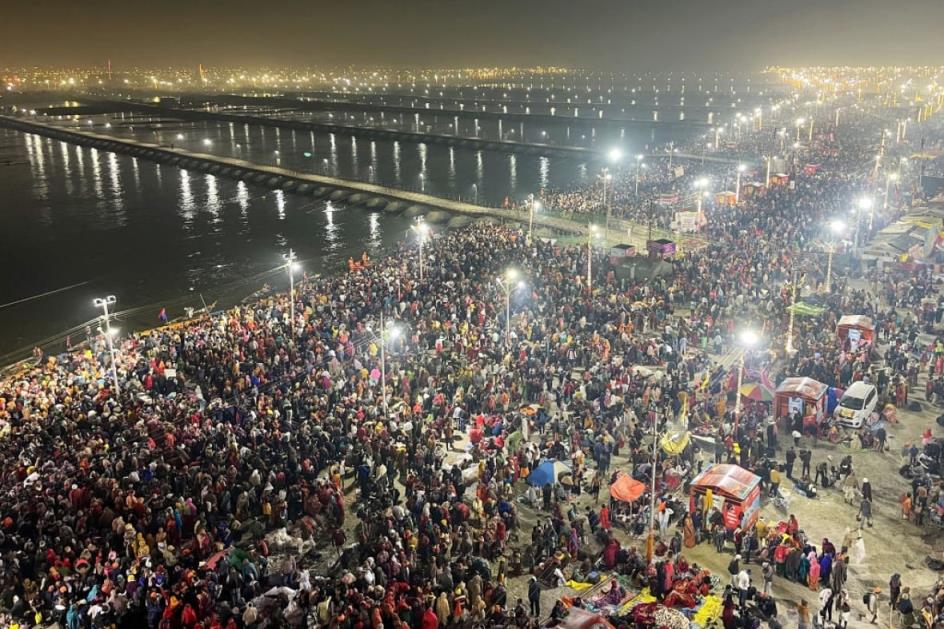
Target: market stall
{"type": "Point", "coordinates": [856, 330]}
{"type": "Point", "coordinates": [801, 395]}
{"type": "Point", "coordinates": [732, 489]}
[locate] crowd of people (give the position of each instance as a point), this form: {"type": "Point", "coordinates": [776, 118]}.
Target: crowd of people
{"type": "Point", "coordinates": [252, 468]}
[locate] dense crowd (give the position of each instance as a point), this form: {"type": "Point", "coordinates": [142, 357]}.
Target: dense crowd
{"type": "Point", "coordinates": [254, 471]}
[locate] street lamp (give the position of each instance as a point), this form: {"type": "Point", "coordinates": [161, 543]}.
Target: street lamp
{"type": "Point", "coordinates": [700, 184]}
{"type": "Point", "coordinates": [475, 194]}
{"type": "Point", "coordinates": [836, 227]}
{"type": "Point", "coordinates": [795, 289]}
{"type": "Point", "coordinates": [391, 332]}
{"type": "Point", "coordinates": [747, 339]}
{"type": "Point", "coordinates": [638, 165]}
{"type": "Point", "coordinates": [865, 204]}
{"type": "Point", "coordinates": [605, 175]}
{"type": "Point", "coordinates": [535, 205]}
{"type": "Point", "coordinates": [207, 142]}
{"type": "Point", "coordinates": [291, 265]}
{"type": "Point", "coordinates": [103, 303]}
{"type": "Point", "coordinates": [591, 232]}
{"type": "Point", "coordinates": [799, 123]}
{"type": "Point", "coordinates": [422, 232]}
{"type": "Point", "coordinates": [508, 284]}
{"type": "Point", "coordinates": [737, 186]}
{"type": "Point", "coordinates": [889, 178]}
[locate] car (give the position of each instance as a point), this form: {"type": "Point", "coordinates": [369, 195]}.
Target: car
{"type": "Point", "coordinates": [856, 404]}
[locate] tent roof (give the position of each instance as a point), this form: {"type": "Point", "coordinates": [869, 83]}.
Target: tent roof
{"type": "Point", "coordinates": [857, 321]}
{"type": "Point", "coordinates": [729, 480]}
{"type": "Point", "coordinates": [626, 488]}
{"type": "Point", "coordinates": [804, 387]}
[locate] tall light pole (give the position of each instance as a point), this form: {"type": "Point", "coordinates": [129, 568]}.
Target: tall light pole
{"type": "Point", "coordinates": [639, 164]}
{"type": "Point", "coordinates": [700, 184]}
{"type": "Point", "coordinates": [836, 227]}
{"type": "Point", "coordinates": [651, 538]}
{"type": "Point", "coordinates": [799, 125]}
{"type": "Point", "coordinates": [794, 291]}
{"type": "Point", "coordinates": [605, 175]}
{"type": "Point", "coordinates": [290, 265]}
{"type": "Point", "coordinates": [422, 232]}
{"type": "Point", "coordinates": [812, 121]}
{"type": "Point", "coordinates": [103, 303]}
{"type": "Point", "coordinates": [889, 178]}
{"type": "Point", "coordinates": [748, 339]}
{"type": "Point", "coordinates": [535, 205]}
{"type": "Point", "coordinates": [591, 232]}
{"type": "Point", "coordinates": [508, 284]}
{"type": "Point", "coordinates": [737, 186]}
{"type": "Point", "coordinates": [862, 205]}
{"type": "Point", "coordinates": [768, 159]}
{"type": "Point", "coordinates": [385, 333]}
{"type": "Point", "coordinates": [475, 194]}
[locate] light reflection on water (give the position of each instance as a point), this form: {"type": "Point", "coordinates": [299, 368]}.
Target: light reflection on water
{"type": "Point", "coordinates": [149, 233]}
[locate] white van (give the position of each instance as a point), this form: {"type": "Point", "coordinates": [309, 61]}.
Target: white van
{"type": "Point", "coordinates": [856, 405]}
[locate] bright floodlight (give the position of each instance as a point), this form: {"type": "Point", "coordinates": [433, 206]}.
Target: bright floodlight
{"type": "Point", "coordinates": [207, 141]}
{"type": "Point", "coordinates": [837, 226]}
{"type": "Point", "coordinates": [893, 176]}
{"type": "Point", "coordinates": [511, 275]}
{"type": "Point", "coordinates": [639, 157]}
{"type": "Point", "coordinates": [749, 338]}
{"type": "Point", "coordinates": [393, 332]}
{"type": "Point", "coordinates": [865, 203]}
{"type": "Point", "coordinates": [742, 168]}
{"type": "Point", "coordinates": [701, 182]}
{"type": "Point", "coordinates": [615, 154]}
{"type": "Point", "coordinates": [537, 205]}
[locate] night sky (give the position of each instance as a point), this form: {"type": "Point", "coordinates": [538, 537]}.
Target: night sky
{"type": "Point", "coordinates": [605, 34]}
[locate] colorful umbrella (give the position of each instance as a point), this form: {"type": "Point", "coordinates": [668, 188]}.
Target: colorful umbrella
{"type": "Point", "coordinates": [757, 392]}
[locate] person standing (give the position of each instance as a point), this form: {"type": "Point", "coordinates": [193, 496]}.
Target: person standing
{"type": "Point", "coordinates": [534, 597]}
{"type": "Point", "coordinates": [805, 457]}
{"type": "Point", "coordinates": [791, 456]}
{"type": "Point", "coordinates": [826, 605]}
{"type": "Point", "coordinates": [734, 569]}
{"type": "Point", "coordinates": [743, 585]}
{"type": "Point", "coordinates": [866, 489]}
{"type": "Point", "coordinates": [865, 512]}
{"type": "Point", "coordinates": [871, 604]}
{"type": "Point", "coordinates": [803, 615]}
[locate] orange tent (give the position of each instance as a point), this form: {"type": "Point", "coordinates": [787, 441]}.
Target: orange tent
{"type": "Point", "coordinates": [626, 488]}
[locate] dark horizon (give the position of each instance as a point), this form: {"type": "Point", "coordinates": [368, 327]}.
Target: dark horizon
{"type": "Point", "coordinates": [647, 35]}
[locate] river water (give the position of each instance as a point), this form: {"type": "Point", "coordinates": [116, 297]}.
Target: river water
{"type": "Point", "coordinates": [90, 223]}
